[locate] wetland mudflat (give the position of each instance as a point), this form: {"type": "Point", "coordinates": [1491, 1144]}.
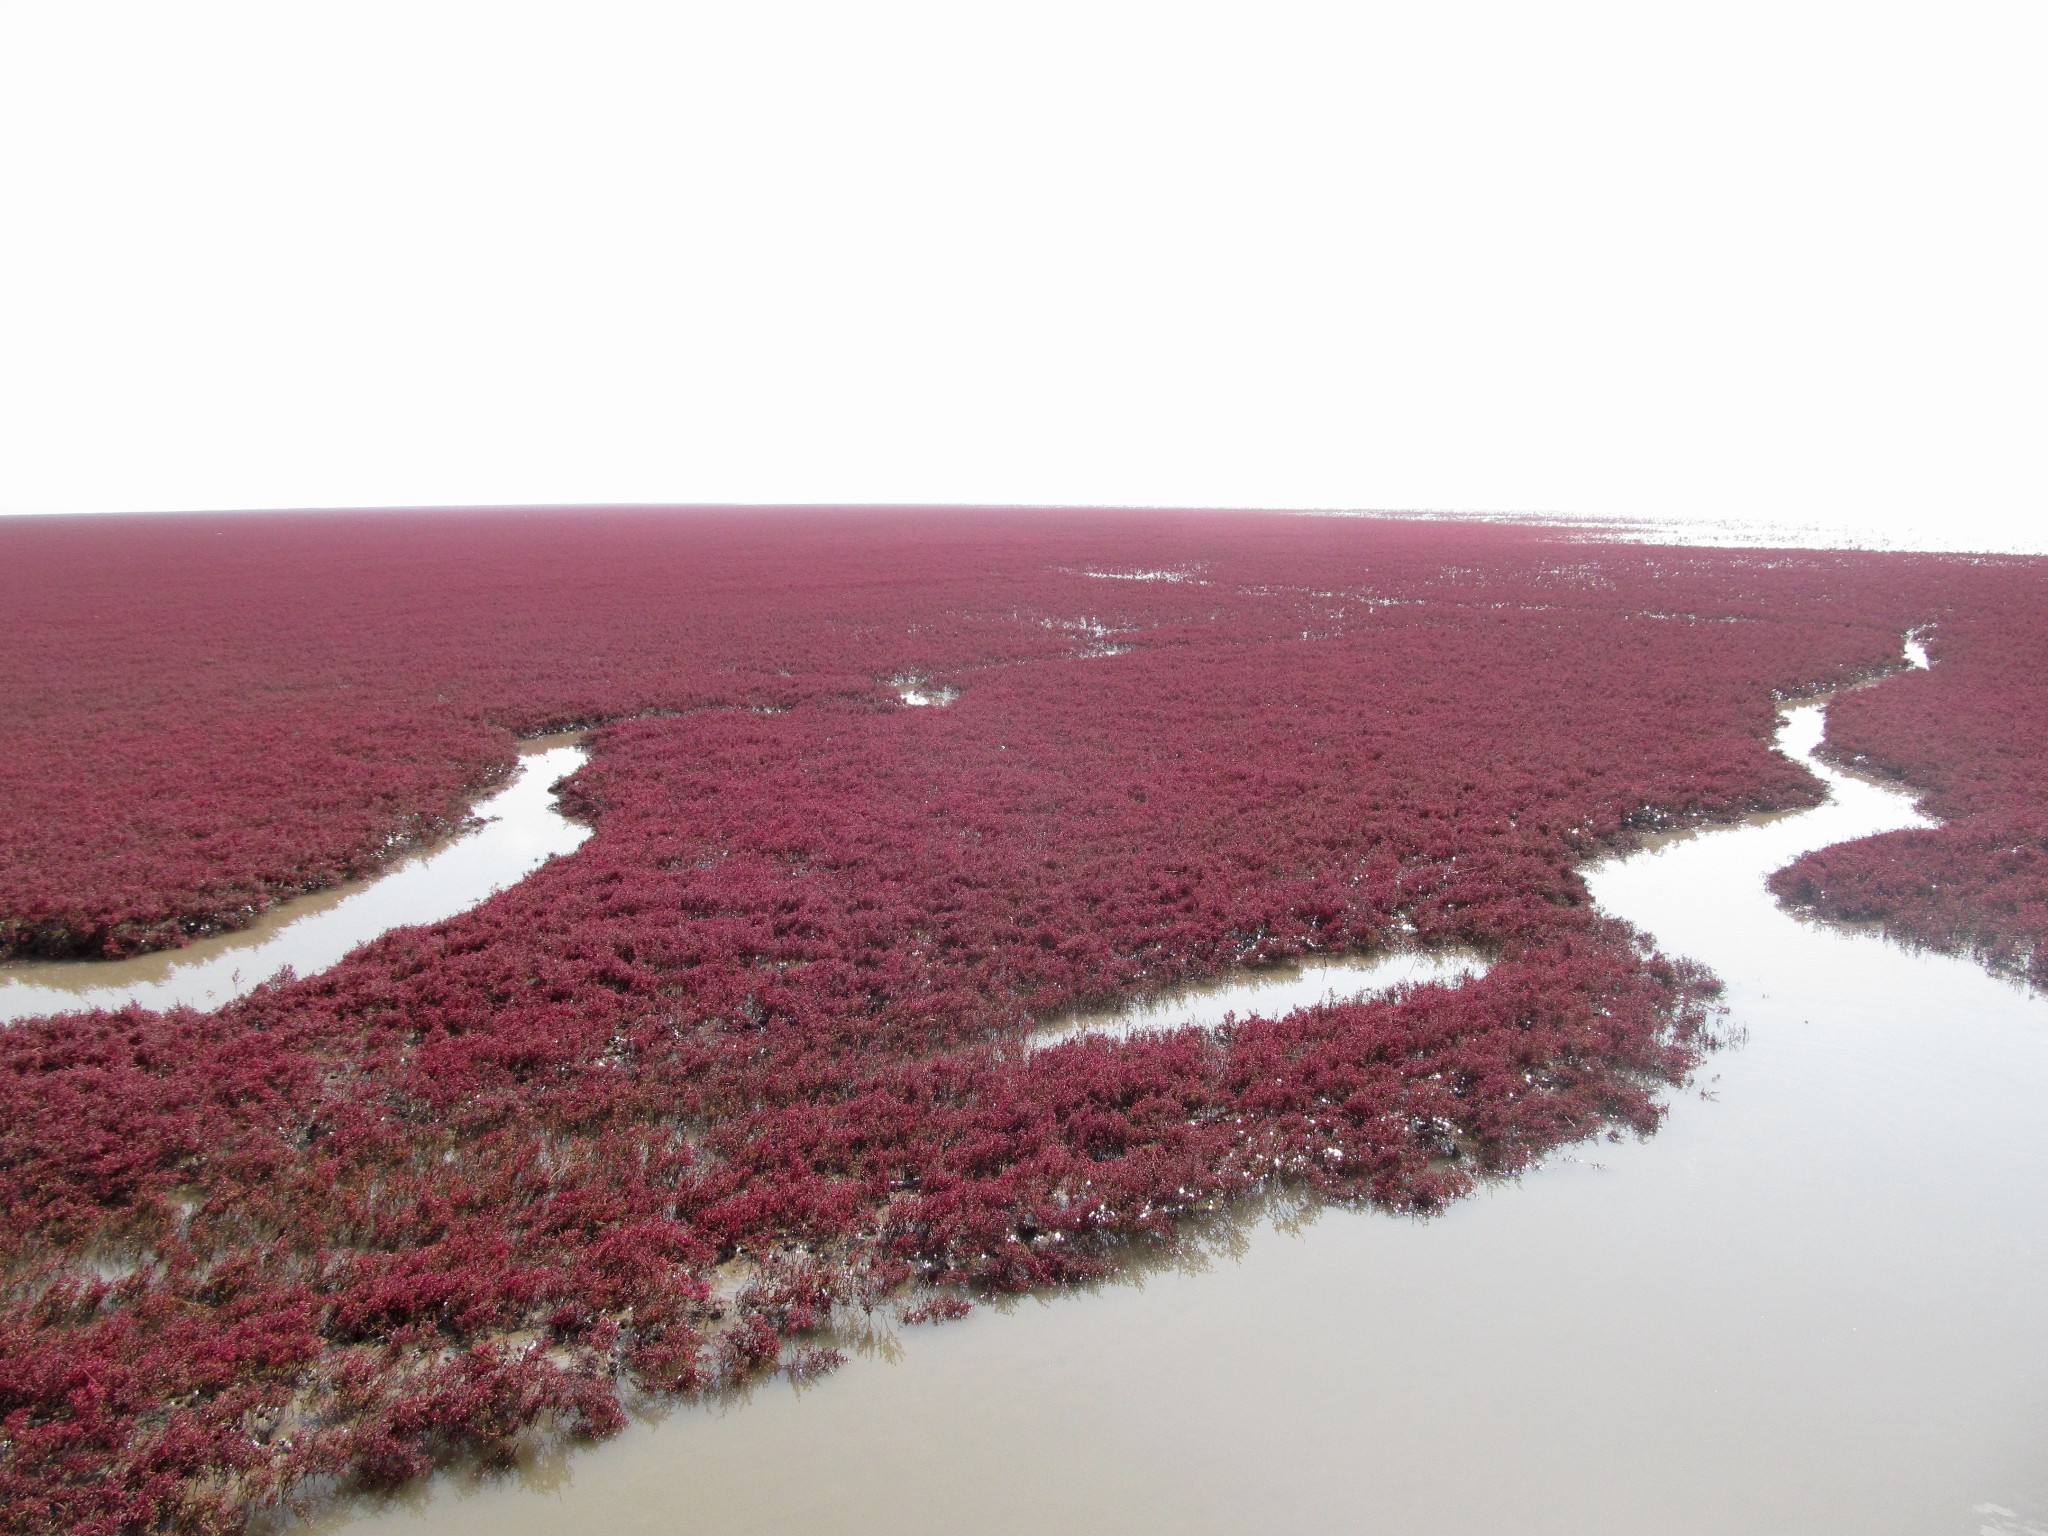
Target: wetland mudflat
{"type": "Point", "coordinates": [760, 1049]}
{"type": "Point", "coordinates": [1809, 1303]}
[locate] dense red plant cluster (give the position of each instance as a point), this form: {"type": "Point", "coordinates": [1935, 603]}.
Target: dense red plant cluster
{"type": "Point", "coordinates": [206, 714]}
{"type": "Point", "coordinates": [1972, 733]}
{"type": "Point", "coordinates": [754, 1058]}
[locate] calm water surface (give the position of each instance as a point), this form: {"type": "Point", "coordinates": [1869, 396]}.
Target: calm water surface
{"type": "Point", "coordinates": [1272, 992]}
{"type": "Point", "coordinates": [522, 829]}
{"type": "Point", "coordinates": [1813, 1302]}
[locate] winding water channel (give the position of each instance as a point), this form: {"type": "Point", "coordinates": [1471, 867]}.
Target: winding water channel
{"type": "Point", "coordinates": [521, 830]}
{"type": "Point", "coordinates": [1811, 1303]}
{"type": "Point", "coordinates": [1273, 991]}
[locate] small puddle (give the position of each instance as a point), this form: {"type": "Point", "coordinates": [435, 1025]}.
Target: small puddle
{"type": "Point", "coordinates": [1269, 992]}
{"type": "Point", "coordinates": [1171, 576]}
{"type": "Point", "coordinates": [921, 691]}
{"type": "Point", "coordinates": [522, 830]}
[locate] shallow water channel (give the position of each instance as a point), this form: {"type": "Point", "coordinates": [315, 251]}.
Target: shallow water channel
{"type": "Point", "coordinates": [1272, 991]}
{"type": "Point", "coordinates": [521, 829]}
{"type": "Point", "coordinates": [1813, 1302]}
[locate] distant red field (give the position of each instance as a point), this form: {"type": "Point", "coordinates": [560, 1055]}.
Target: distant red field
{"type": "Point", "coordinates": [756, 1050]}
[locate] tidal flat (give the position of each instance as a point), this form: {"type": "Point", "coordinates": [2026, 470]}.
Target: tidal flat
{"type": "Point", "coordinates": [1277, 1029]}
{"type": "Point", "coordinates": [1808, 1303]}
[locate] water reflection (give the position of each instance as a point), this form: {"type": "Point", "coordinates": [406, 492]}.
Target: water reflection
{"type": "Point", "coordinates": [522, 829]}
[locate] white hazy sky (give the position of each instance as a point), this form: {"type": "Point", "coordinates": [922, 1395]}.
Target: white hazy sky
{"type": "Point", "coordinates": [1763, 262]}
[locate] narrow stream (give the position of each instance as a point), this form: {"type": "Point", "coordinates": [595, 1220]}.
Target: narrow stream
{"type": "Point", "coordinates": [1811, 1303]}
{"type": "Point", "coordinates": [522, 830]}
{"type": "Point", "coordinates": [1272, 992]}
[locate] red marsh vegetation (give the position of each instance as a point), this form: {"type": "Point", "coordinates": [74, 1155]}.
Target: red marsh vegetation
{"type": "Point", "coordinates": [1972, 733]}
{"type": "Point", "coordinates": [753, 1056]}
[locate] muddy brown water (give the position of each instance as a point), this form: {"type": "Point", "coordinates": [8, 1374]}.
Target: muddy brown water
{"type": "Point", "coordinates": [1812, 1302]}
{"type": "Point", "coordinates": [521, 829]}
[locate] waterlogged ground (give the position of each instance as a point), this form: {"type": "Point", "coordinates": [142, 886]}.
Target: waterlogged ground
{"type": "Point", "coordinates": [521, 829]}
{"type": "Point", "coordinates": [756, 1048]}
{"type": "Point", "coordinates": [1271, 992]}
{"type": "Point", "coordinates": [1811, 1303]}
